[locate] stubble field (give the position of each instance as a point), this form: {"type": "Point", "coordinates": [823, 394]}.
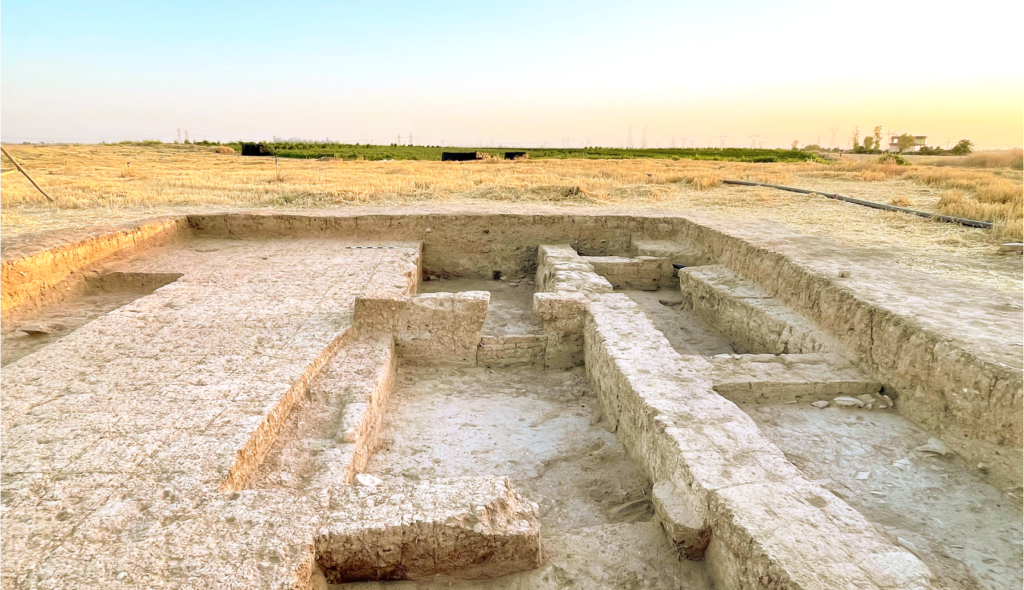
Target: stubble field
{"type": "Point", "coordinates": [101, 183]}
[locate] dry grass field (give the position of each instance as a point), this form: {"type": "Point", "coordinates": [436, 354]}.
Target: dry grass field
{"type": "Point", "coordinates": [98, 183]}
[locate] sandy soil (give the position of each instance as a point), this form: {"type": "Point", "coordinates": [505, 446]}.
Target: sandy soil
{"type": "Point", "coordinates": [686, 332]}
{"type": "Point", "coordinates": [543, 429]}
{"type": "Point", "coordinates": [962, 523]}
{"type": "Point", "coordinates": [61, 319]}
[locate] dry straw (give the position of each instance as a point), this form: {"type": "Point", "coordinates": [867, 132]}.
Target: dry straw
{"type": "Point", "coordinates": [90, 184]}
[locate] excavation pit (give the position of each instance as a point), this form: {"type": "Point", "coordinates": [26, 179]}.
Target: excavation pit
{"type": "Point", "coordinates": [506, 401]}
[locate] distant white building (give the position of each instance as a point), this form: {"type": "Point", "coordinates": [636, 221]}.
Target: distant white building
{"type": "Point", "coordinates": [919, 142]}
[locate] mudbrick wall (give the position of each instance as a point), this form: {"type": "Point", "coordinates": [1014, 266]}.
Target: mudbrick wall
{"type": "Point", "coordinates": [732, 497]}
{"type": "Point", "coordinates": [754, 321]}
{"type": "Point", "coordinates": [951, 369]}
{"type": "Point", "coordinates": [943, 351]}
{"type": "Point", "coordinates": [949, 354]}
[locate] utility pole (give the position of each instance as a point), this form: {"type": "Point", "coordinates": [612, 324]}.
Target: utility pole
{"type": "Point", "coordinates": [753, 141]}
{"type": "Point", "coordinates": [410, 139]}
{"type": "Point", "coordinates": [179, 136]}
{"type": "Point", "coordinates": [722, 140]}
{"type": "Point", "coordinates": [629, 138]}
{"type": "Point", "coordinates": [643, 142]}
{"type": "Point", "coordinates": [834, 130]}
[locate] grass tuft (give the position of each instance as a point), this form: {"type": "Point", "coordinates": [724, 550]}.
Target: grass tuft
{"type": "Point", "coordinates": [903, 201]}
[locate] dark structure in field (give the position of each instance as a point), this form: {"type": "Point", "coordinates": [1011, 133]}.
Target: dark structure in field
{"type": "Point", "coordinates": [516, 155]}
{"type": "Point", "coordinates": [461, 156]}
{"type": "Point", "coordinates": [255, 149]}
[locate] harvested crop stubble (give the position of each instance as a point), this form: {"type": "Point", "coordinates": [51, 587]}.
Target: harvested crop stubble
{"type": "Point", "coordinates": [980, 194]}
{"type": "Point", "coordinates": [88, 187]}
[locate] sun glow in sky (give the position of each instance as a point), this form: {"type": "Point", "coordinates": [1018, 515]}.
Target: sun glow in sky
{"type": "Point", "coordinates": [513, 72]}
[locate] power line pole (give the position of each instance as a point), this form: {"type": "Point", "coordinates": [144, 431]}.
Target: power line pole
{"type": "Point", "coordinates": [643, 142]}
{"type": "Point", "coordinates": [629, 138]}
{"type": "Point", "coordinates": [753, 141]}
{"type": "Point", "coordinates": [834, 130]}
{"type": "Point", "coordinates": [721, 138]}
{"type": "Point", "coordinates": [179, 136]}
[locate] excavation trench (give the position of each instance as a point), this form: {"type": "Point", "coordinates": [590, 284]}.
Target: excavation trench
{"type": "Point", "coordinates": [947, 511]}
{"type": "Point", "coordinates": [355, 412]}
{"type": "Point", "coordinates": [101, 294]}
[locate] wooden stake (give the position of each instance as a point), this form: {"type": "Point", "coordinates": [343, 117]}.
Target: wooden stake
{"type": "Point", "coordinates": [22, 170]}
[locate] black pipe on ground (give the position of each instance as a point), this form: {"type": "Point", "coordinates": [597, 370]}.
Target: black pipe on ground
{"type": "Point", "coordinates": [872, 204]}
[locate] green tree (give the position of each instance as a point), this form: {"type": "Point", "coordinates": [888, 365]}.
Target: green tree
{"type": "Point", "coordinates": [878, 137]}
{"type": "Point", "coordinates": [962, 148]}
{"type": "Point", "coordinates": [869, 143]}
{"type": "Point", "coordinates": [904, 142]}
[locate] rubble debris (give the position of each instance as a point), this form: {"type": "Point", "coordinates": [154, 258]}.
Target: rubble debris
{"type": "Point", "coordinates": [935, 446]}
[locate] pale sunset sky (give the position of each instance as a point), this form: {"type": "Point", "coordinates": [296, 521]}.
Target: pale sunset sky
{"type": "Point", "coordinates": [515, 72]}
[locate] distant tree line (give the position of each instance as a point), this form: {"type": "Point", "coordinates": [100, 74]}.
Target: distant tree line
{"type": "Point", "coordinates": [357, 151]}
{"type": "Point", "coordinates": [872, 144]}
